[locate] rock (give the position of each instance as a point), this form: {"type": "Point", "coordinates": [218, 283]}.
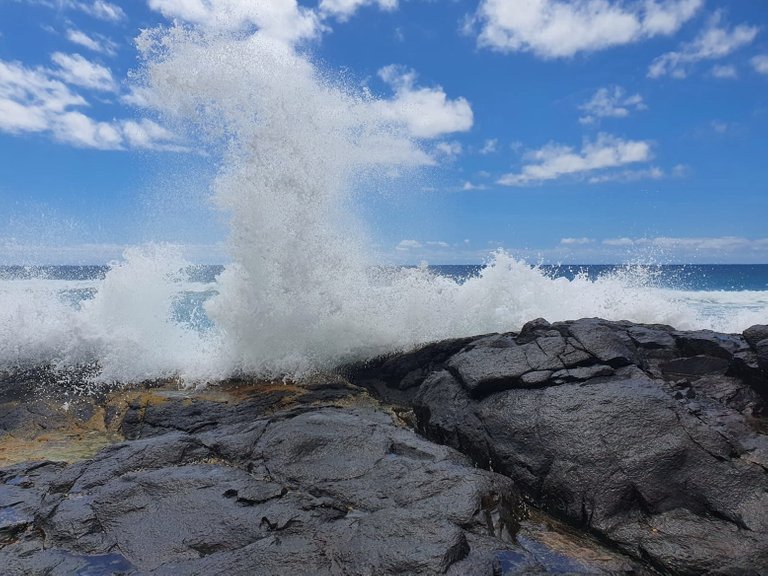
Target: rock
{"type": "Point", "coordinates": [648, 442]}
{"type": "Point", "coordinates": [695, 366]}
{"type": "Point", "coordinates": [755, 334]}
{"type": "Point", "coordinates": [653, 440]}
{"type": "Point", "coordinates": [401, 374]}
{"type": "Point", "coordinates": [248, 484]}
{"type": "Point", "coordinates": [709, 343]}
{"type": "Point", "coordinates": [652, 337]}
{"type": "Point", "coordinates": [603, 342]}
{"type": "Point", "coordinates": [489, 367]}
{"type": "Point", "coordinates": [761, 350]}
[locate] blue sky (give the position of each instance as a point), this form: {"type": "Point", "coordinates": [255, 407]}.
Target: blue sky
{"type": "Point", "coordinates": [588, 131]}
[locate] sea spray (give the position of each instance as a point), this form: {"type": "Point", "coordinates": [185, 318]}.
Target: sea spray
{"type": "Point", "coordinates": [122, 324]}
{"type": "Point", "coordinates": [302, 291]}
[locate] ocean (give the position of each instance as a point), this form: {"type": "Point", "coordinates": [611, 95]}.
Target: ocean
{"type": "Point", "coordinates": [152, 316]}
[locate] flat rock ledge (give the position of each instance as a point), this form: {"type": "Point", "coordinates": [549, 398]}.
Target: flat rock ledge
{"type": "Point", "coordinates": [585, 447]}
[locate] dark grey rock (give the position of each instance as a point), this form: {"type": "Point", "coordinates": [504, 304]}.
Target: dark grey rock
{"type": "Point", "coordinates": [761, 350]}
{"type": "Point", "coordinates": [488, 368]}
{"type": "Point", "coordinates": [709, 343]}
{"type": "Point", "coordinates": [653, 440]}
{"type": "Point", "coordinates": [695, 366]}
{"type": "Point", "coordinates": [603, 342]}
{"type": "Point", "coordinates": [224, 488]}
{"type": "Point", "coordinates": [647, 438]}
{"type": "Point", "coordinates": [652, 337]}
{"type": "Point", "coordinates": [755, 334]}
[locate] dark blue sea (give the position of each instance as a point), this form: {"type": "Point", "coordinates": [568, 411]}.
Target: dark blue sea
{"type": "Point", "coordinates": [691, 277]}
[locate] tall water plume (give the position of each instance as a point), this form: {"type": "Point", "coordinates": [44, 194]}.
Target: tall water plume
{"type": "Point", "coordinates": [302, 293]}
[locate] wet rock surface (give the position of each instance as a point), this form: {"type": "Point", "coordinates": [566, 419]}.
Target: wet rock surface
{"type": "Point", "coordinates": [652, 439]}
{"type": "Point", "coordinates": [273, 479]}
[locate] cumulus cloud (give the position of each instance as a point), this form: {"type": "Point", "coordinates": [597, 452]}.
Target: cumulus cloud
{"type": "Point", "coordinates": [449, 149]}
{"type": "Point", "coordinates": [719, 245]}
{"type": "Point", "coordinates": [610, 102]}
{"type": "Point", "coordinates": [427, 112]}
{"type": "Point", "coordinates": [415, 245]}
{"type": "Point", "coordinates": [653, 173]}
{"type": "Point", "coordinates": [489, 146]}
{"type": "Point", "coordinates": [96, 43]}
{"type": "Point", "coordinates": [78, 129]}
{"type": "Point", "coordinates": [714, 42]}
{"type": "Point", "coordinates": [79, 71]}
{"type": "Point", "coordinates": [344, 9]}
{"type": "Point", "coordinates": [281, 19]}
{"type": "Point", "coordinates": [554, 161]}
{"type": "Point", "coordinates": [560, 28]}
{"type": "Point", "coordinates": [406, 245]}
{"type": "Point", "coordinates": [724, 72]}
{"type": "Point", "coordinates": [38, 101]}
{"type": "Point", "coordinates": [30, 97]}
{"type": "Point", "coordinates": [101, 9]}
{"type": "Point", "coordinates": [576, 241]}
{"type": "Point", "coordinates": [467, 186]}
{"type": "Point", "coordinates": [623, 241]}
{"type": "Point", "coordinates": [760, 63]}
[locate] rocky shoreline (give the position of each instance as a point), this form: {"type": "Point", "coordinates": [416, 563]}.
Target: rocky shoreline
{"type": "Point", "coordinates": [585, 447]}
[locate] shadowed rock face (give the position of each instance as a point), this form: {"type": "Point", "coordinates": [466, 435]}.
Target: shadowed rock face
{"type": "Point", "coordinates": [651, 438]}
{"type": "Point", "coordinates": [276, 479]}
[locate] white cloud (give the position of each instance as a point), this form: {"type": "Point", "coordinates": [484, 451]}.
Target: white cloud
{"type": "Point", "coordinates": [576, 241]}
{"type": "Point", "coordinates": [95, 43]}
{"type": "Point", "coordinates": [145, 134]}
{"type": "Point", "coordinates": [691, 245]}
{"type": "Point", "coordinates": [79, 71]}
{"type": "Point", "coordinates": [344, 9]}
{"type": "Point", "coordinates": [13, 251]}
{"type": "Point", "coordinates": [449, 149]}
{"type": "Point", "coordinates": [724, 72]}
{"type": "Point", "coordinates": [680, 171]}
{"type": "Point", "coordinates": [37, 101]}
{"type": "Point", "coordinates": [281, 19]}
{"type": "Point", "coordinates": [405, 245]}
{"type": "Point", "coordinates": [427, 112]}
{"type": "Point", "coordinates": [712, 43]}
{"type": "Point", "coordinates": [101, 10]}
{"type": "Point", "coordinates": [653, 173]}
{"type": "Point", "coordinates": [16, 118]}
{"type": "Point", "coordinates": [611, 102]}
{"type": "Point", "coordinates": [467, 186]}
{"type": "Point", "coordinates": [489, 147]}
{"type": "Point", "coordinates": [623, 241]}
{"type": "Point", "coordinates": [138, 96]}
{"type": "Point", "coordinates": [29, 97]}
{"type": "Point", "coordinates": [555, 161]}
{"type": "Point", "coordinates": [559, 28]}
{"type": "Point", "coordinates": [80, 130]}
{"type": "Point", "coordinates": [760, 63]}
{"type": "Point", "coordinates": [82, 39]}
